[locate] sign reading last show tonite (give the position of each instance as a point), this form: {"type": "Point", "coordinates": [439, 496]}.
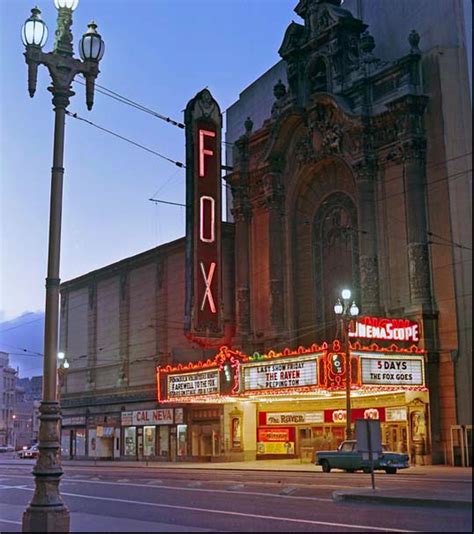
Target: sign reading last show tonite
{"type": "Point", "coordinates": [203, 216]}
{"type": "Point", "coordinates": [280, 374]}
{"type": "Point", "coordinates": [392, 370]}
{"type": "Point", "coordinates": [191, 384]}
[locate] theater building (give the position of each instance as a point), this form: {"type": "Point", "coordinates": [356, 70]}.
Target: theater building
{"type": "Point", "coordinates": [223, 345]}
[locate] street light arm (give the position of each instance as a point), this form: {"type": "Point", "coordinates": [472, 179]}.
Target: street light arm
{"type": "Point", "coordinates": [62, 70]}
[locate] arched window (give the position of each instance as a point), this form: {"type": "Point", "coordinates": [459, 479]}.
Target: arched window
{"type": "Point", "coordinates": [336, 255]}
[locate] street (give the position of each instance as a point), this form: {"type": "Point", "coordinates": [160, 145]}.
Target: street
{"type": "Point", "coordinates": [163, 499]}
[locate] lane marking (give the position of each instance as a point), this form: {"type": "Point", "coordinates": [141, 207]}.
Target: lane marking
{"type": "Point", "coordinates": [227, 512]}
{"type": "Point", "coordinates": [197, 489]}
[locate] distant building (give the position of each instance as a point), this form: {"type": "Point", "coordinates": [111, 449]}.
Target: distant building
{"type": "Point", "coordinates": [7, 400]}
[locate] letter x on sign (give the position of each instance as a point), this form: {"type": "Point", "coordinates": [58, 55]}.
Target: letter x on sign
{"type": "Point", "coordinates": [208, 281]}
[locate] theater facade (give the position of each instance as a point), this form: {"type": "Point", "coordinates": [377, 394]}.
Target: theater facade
{"type": "Point", "coordinates": [223, 345]}
{"type": "Point", "coordinates": [288, 404]}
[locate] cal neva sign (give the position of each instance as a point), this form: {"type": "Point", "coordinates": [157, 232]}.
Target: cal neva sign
{"type": "Point", "coordinates": [381, 328]}
{"type": "Point", "coordinates": [203, 122]}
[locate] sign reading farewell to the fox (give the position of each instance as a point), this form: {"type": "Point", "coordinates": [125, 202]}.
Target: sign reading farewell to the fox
{"type": "Point", "coordinates": [203, 122]}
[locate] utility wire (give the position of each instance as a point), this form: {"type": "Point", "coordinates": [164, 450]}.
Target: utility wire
{"type": "Point", "coordinates": [76, 116]}
{"type": "Point", "coordinates": [129, 102]}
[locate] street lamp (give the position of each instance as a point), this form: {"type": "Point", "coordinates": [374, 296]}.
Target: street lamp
{"type": "Point", "coordinates": [46, 511]}
{"type": "Point", "coordinates": [345, 311]}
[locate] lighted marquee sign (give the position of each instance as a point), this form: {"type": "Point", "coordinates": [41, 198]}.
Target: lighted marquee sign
{"type": "Point", "coordinates": [193, 384]}
{"type": "Point", "coordinates": [281, 374]}
{"type": "Point", "coordinates": [379, 328]}
{"type": "Point", "coordinates": [203, 216]}
{"type": "Point", "coordinates": [391, 370]}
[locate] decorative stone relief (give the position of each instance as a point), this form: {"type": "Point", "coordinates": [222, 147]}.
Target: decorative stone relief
{"type": "Point", "coordinates": [369, 284]}
{"type": "Point", "coordinates": [418, 261]}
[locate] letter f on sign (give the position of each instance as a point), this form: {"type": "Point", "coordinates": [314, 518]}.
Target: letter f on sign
{"type": "Point", "coordinates": [208, 281]}
{"type": "Point", "coordinates": [204, 151]}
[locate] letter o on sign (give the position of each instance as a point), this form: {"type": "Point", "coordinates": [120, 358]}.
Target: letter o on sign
{"type": "Point", "coordinates": [207, 219]}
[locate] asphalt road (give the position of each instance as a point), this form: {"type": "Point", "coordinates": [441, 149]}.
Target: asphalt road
{"type": "Point", "coordinates": [118, 499]}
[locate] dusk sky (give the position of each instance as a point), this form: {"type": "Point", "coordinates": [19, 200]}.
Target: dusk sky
{"type": "Point", "coordinates": [159, 53]}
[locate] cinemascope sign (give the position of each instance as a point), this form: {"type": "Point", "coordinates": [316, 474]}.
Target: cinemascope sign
{"type": "Point", "coordinates": [379, 328]}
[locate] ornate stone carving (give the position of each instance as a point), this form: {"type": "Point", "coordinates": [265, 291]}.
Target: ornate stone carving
{"type": "Point", "coordinates": [414, 149]}
{"type": "Point", "coordinates": [280, 94]}
{"type": "Point", "coordinates": [369, 284]}
{"type": "Point", "coordinates": [418, 262]}
{"type": "Point", "coordinates": [328, 132]}
{"type": "Point", "coordinates": [273, 191]}
{"type": "Point", "coordinates": [242, 209]}
{"type": "Point", "coordinates": [304, 151]}
{"type": "Point", "coordinates": [414, 40]}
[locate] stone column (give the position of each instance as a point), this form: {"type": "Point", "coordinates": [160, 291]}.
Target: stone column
{"type": "Point", "coordinates": [368, 263]}
{"type": "Point", "coordinates": [274, 197]}
{"type": "Point", "coordinates": [408, 111]}
{"type": "Point", "coordinates": [415, 186]}
{"type": "Point", "coordinates": [242, 213]}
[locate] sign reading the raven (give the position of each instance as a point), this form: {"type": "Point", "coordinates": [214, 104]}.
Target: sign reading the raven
{"type": "Point", "coordinates": [203, 122]}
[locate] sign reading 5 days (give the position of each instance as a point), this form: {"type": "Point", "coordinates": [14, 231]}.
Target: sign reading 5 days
{"type": "Point", "coordinates": [392, 371]}
{"type": "Point", "coordinates": [190, 384]}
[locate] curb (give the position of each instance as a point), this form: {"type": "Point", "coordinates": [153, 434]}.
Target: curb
{"type": "Point", "coordinates": [345, 496]}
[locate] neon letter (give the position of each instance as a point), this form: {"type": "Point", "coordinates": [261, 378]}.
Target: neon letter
{"type": "Point", "coordinates": [208, 281]}
{"type": "Point", "coordinates": [204, 151]}
{"type": "Point", "coordinates": [212, 203]}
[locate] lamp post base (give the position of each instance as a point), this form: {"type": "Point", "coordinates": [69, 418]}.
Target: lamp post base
{"type": "Point", "coordinates": [46, 519]}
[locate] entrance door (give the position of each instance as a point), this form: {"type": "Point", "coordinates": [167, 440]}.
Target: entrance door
{"type": "Point", "coordinates": [395, 437]}
{"type": "Point", "coordinates": [173, 447]}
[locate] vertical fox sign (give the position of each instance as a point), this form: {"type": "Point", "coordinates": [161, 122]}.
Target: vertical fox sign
{"type": "Point", "coordinates": [203, 122]}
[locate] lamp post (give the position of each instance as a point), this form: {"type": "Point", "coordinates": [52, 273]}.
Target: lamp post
{"type": "Point", "coordinates": [46, 511]}
{"type": "Point", "coordinates": [345, 311]}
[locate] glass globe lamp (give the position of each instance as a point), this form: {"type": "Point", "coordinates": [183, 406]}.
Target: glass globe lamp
{"type": "Point", "coordinates": [66, 4]}
{"type": "Point", "coordinates": [91, 47]}
{"type": "Point", "coordinates": [34, 31]}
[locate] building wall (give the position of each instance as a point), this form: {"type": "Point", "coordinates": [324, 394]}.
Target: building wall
{"type": "Point", "coordinates": [125, 319]}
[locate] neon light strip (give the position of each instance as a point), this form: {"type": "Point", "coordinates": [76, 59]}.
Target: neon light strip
{"type": "Point", "coordinates": [204, 151]}
{"type": "Point", "coordinates": [208, 281]}
{"type": "Point", "coordinates": [212, 202]}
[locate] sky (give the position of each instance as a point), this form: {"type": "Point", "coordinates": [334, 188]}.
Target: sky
{"type": "Point", "coordinates": [159, 53]}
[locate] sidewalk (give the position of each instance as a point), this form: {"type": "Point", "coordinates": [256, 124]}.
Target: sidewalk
{"type": "Point", "coordinates": [270, 465]}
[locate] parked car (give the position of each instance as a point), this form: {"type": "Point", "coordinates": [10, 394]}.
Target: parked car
{"type": "Point", "coordinates": [32, 452]}
{"type": "Point", "coordinates": [348, 458]}
{"type": "Point", "coordinates": [7, 448]}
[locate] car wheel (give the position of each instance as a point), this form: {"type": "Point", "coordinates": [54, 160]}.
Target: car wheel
{"type": "Point", "coordinates": [391, 470]}
{"type": "Point", "coordinates": [366, 470]}
{"type": "Point", "coordinates": [326, 467]}
{"type": "Point", "coordinates": [350, 470]}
